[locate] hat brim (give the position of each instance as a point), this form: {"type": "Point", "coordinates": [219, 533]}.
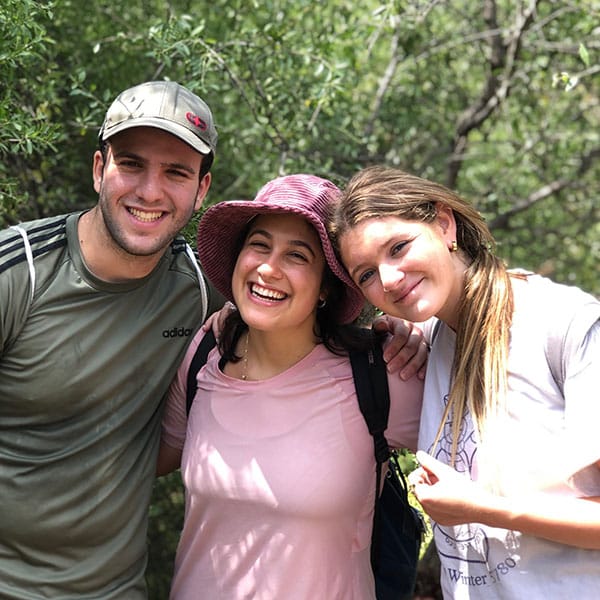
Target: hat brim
{"type": "Point", "coordinates": [219, 232]}
{"type": "Point", "coordinates": [169, 126]}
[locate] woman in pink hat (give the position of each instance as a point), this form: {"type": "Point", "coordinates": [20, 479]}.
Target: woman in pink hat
{"type": "Point", "coordinates": [275, 455]}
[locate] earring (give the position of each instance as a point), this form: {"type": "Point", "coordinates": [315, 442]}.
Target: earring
{"type": "Point", "coordinates": [321, 303]}
{"type": "Point", "coordinates": [453, 246]}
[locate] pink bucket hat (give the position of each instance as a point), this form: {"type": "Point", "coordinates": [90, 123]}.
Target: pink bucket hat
{"type": "Point", "coordinates": [308, 196]}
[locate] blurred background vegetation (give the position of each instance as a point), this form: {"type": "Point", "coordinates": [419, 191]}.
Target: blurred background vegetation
{"type": "Point", "coordinates": [496, 99]}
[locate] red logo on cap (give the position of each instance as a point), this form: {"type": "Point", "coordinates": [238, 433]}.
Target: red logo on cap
{"type": "Point", "coordinates": [196, 121]}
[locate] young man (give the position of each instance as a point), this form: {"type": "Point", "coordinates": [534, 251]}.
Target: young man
{"type": "Point", "coordinates": [96, 310]}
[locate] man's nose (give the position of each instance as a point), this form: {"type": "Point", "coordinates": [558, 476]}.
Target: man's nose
{"type": "Point", "coordinates": [149, 187]}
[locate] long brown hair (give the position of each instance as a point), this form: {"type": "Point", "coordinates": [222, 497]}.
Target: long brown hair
{"type": "Point", "coordinates": [479, 370]}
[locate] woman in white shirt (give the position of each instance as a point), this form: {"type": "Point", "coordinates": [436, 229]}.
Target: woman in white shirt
{"type": "Point", "coordinates": [510, 452]}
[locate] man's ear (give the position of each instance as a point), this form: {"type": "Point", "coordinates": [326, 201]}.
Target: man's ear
{"type": "Point", "coordinates": [202, 190]}
{"type": "Point", "coordinates": [97, 170]}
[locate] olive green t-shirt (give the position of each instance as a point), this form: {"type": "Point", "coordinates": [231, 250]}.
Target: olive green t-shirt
{"type": "Point", "coordinates": [84, 367]}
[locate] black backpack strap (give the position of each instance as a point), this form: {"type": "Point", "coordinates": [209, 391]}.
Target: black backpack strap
{"type": "Point", "coordinates": [370, 381]}
{"type": "Point", "coordinates": [198, 361]}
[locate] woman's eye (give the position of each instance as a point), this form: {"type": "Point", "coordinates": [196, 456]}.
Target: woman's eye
{"type": "Point", "coordinates": [364, 277]}
{"type": "Point", "coordinates": [298, 256]}
{"type": "Point", "coordinates": [258, 245]}
{"type": "Point", "coordinates": [398, 248]}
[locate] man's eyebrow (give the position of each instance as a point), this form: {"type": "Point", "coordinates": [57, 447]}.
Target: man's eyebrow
{"type": "Point", "coordinates": [171, 165]}
{"type": "Point", "coordinates": [127, 154]}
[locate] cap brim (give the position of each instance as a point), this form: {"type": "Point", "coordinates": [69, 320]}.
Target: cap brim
{"type": "Point", "coordinates": [169, 126]}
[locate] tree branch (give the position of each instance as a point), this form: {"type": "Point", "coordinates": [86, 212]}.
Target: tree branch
{"type": "Point", "coordinates": [384, 82]}
{"type": "Point", "coordinates": [496, 88]}
{"type": "Point", "coordinates": [502, 221]}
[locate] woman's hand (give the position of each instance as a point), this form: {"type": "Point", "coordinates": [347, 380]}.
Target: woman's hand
{"type": "Point", "coordinates": [448, 497]}
{"type": "Point", "coordinates": [451, 498]}
{"type": "Point", "coordinates": [407, 350]}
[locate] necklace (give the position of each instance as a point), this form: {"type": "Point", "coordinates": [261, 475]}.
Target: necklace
{"type": "Point", "coordinates": [245, 359]}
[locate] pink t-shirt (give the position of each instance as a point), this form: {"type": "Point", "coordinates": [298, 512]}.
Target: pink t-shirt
{"type": "Point", "coordinates": [280, 481]}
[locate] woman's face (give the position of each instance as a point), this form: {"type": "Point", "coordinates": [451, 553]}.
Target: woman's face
{"type": "Point", "coordinates": [277, 278]}
{"type": "Point", "coordinates": [405, 268]}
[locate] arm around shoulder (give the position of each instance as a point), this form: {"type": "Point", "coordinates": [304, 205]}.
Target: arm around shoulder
{"type": "Point", "coordinates": [169, 459]}
{"type": "Point", "coordinates": [406, 400]}
{"type": "Point", "coordinates": [174, 420]}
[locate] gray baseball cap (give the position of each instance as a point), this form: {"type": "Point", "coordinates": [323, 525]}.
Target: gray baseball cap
{"type": "Point", "coordinates": [165, 105]}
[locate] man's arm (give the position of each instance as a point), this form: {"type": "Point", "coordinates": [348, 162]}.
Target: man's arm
{"type": "Point", "coordinates": [169, 459]}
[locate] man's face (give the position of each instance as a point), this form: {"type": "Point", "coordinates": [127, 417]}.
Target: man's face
{"type": "Point", "coordinates": [148, 189]}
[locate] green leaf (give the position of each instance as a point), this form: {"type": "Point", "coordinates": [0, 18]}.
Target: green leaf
{"type": "Point", "coordinates": [584, 55]}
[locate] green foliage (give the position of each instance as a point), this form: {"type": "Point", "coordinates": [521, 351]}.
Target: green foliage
{"type": "Point", "coordinates": [165, 522]}
{"type": "Point", "coordinates": [498, 100]}
{"type": "Point", "coordinates": [27, 99]}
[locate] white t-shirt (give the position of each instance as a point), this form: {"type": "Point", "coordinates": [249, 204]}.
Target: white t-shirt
{"type": "Point", "coordinates": [280, 481]}
{"type": "Point", "coordinates": [545, 443]}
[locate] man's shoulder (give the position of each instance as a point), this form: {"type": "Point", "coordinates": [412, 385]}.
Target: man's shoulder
{"type": "Point", "coordinates": [38, 226]}
{"type": "Point", "coordinates": [183, 261]}
{"type": "Point", "coordinates": [181, 256]}
{"type": "Point", "coordinates": [34, 238]}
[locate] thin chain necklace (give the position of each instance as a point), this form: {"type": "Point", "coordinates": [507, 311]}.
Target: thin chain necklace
{"type": "Point", "coordinates": [245, 359]}
{"type": "Point", "coordinates": [244, 375]}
